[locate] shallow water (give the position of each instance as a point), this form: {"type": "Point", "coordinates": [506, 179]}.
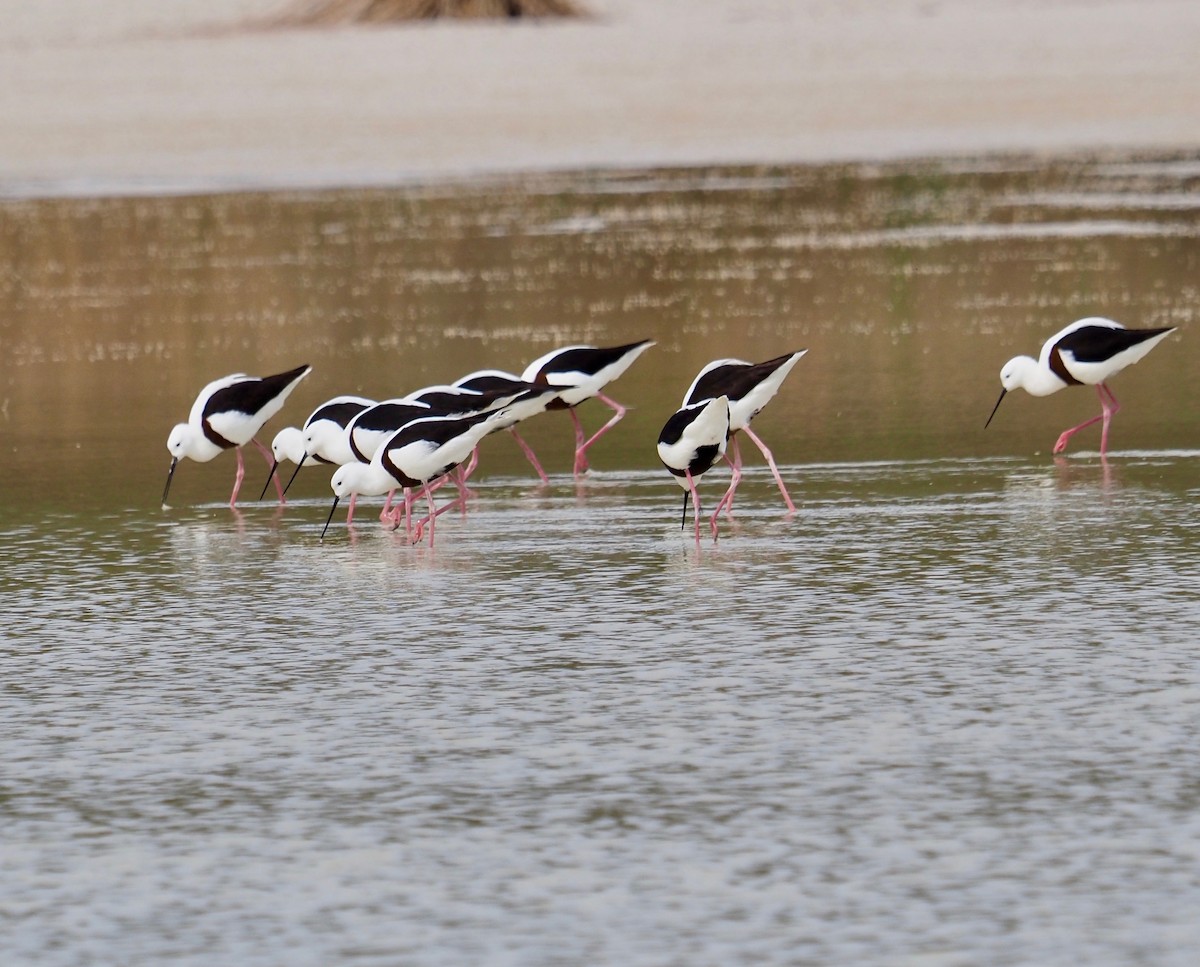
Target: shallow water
{"type": "Point", "coordinates": [945, 714]}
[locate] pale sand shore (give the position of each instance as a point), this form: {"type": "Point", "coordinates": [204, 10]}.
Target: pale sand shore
{"type": "Point", "coordinates": [147, 95]}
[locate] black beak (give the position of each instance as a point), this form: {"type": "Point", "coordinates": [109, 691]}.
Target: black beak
{"type": "Point", "coordinates": [683, 519]}
{"type": "Point", "coordinates": [170, 474]}
{"type": "Point", "coordinates": [274, 467]}
{"type": "Point", "coordinates": [293, 477]}
{"type": "Point", "coordinates": [329, 518]}
{"type": "Point", "coordinates": [996, 407]}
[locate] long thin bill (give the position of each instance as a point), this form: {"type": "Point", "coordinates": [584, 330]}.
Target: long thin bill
{"type": "Point", "coordinates": [293, 477]}
{"type": "Point", "coordinates": [170, 474]}
{"type": "Point", "coordinates": [329, 518]}
{"type": "Point", "coordinates": [996, 407]}
{"type": "Point", "coordinates": [274, 467]}
{"type": "Point", "coordinates": [683, 518]}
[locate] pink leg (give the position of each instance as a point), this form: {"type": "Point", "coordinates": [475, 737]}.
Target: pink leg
{"type": "Point", "coordinates": [529, 454]}
{"type": "Point", "coordinates": [1109, 412]}
{"type": "Point", "coordinates": [460, 479]}
{"type": "Point", "coordinates": [735, 469]}
{"type": "Point", "coordinates": [471, 465]}
{"type": "Point", "coordinates": [428, 519]}
{"type": "Point", "coordinates": [581, 448]}
{"type": "Point", "coordinates": [463, 491]}
{"type": "Point", "coordinates": [350, 511]}
{"type": "Point", "coordinates": [1106, 413]}
{"type": "Point", "coordinates": [432, 515]}
{"type": "Point", "coordinates": [402, 512]}
{"type": "Point", "coordinates": [774, 469]}
{"type": "Point", "coordinates": [581, 463]}
{"type": "Point", "coordinates": [385, 515]}
{"type": "Point", "coordinates": [270, 458]}
{"type": "Point", "coordinates": [695, 503]}
{"type": "Point", "coordinates": [237, 480]}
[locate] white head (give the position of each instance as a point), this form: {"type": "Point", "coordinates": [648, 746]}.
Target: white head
{"type": "Point", "coordinates": [189, 441]}
{"type": "Point", "coordinates": [1030, 375]}
{"type": "Point", "coordinates": [328, 440]}
{"type": "Point", "coordinates": [288, 445]}
{"type": "Point", "coordinates": [1015, 372]}
{"type": "Point", "coordinates": [1026, 373]}
{"type": "Point", "coordinates": [365, 479]}
{"type": "Point", "coordinates": [357, 478]}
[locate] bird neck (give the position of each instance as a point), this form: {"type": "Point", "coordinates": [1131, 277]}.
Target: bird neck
{"type": "Point", "coordinates": [1035, 378]}
{"type": "Point", "coordinates": [199, 447]}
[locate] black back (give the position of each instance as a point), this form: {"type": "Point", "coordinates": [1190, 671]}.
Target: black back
{"type": "Point", "coordinates": [675, 426]}
{"type": "Point", "coordinates": [392, 416]}
{"type": "Point", "coordinates": [1095, 344]}
{"type": "Point", "coordinates": [472, 402]}
{"type": "Point", "coordinates": [251, 395]}
{"type": "Point", "coordinates": [702, 457]}
{"type": "Point", "coordinates": [340, 413]}
{"type": "Point", "coordinates": [388, 416]}
{"type": "Point", "coordinates": [585, 359]}
{"type": "Point", "coordinates": [437, 431]}
{"type": "Point", "coordinates": [489, 383]}
{"type": "Point", "coordinates": [734, 380]}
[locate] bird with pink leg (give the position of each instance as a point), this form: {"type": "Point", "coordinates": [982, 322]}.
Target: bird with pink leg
{"type": "Point", "coordinates": [748, 387]}
{"type": "Point", "coordinates": [226, 415]}
{"type": "Point", "coordinates": [421, 453]}
{"type": "Point", "coordinates": [582, 373]}
{"type": "Point", "coordinates": [1087, 352]}
{"type": "Point", "coordinates": [691, 441]}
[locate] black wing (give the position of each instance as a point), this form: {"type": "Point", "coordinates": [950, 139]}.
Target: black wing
{"type": "Point", "coordinates": [1095, 344]}
{"type": "Point", "coordinates": [489, 383]}
{"type": "Point", "coordinates": [435, 430]}
{"type": "Point", "coordinates": [251, 395]}
{"type": "Point", "coordinates": [675, 426]}
{"type": "Point", "coordinates": [392, 416]}
{"type": "Point", "coordinates": [734, 380]}
{"type": "Point", "coordinates": [586, 359]}
{"type": "Point", "coordinates": [340, 413]}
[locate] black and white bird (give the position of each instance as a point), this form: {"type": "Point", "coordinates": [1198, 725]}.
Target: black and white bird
{"type": "Point", "coordinates": [371, 428]}
{"type": "Point", "coordinates": [749, 387]}
{"type": "Point", "coordinates": [461, 399]}
{"type": "Point", "coordinates": [327, 421]}
{"type": "Point", "coordinates": [226, 415]}
{"type": "Point", "coordinates": [691, 441]}
{"type": "Point", "coordinates": [418, 454]}
{"type": "Point", "coordinates": [582, 372]}
{"type": "Point", "coordinates": [495, 380]}
{"type": "Point", "coordinates": [325, 437]}
{"type": "Point", "coordinates": [1089, 351]}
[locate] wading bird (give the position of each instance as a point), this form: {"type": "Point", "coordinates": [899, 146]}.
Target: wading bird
{"type": "Point", "coordinates": [691, 441]}
{"type": "Point", "coordinates": [330, 418]}
{"type": "Point", "coordinates": [226, 415]}
{"type": "Point", "coordinates": [749, 387]}
{"type": "Point", "coordinates": [582, 372]}
{"type": "Point", "coordinates": [1090, 351]}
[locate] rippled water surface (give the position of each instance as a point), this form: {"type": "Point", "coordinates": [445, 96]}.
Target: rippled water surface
{"type": "Point", "coordinates": [945, 714]}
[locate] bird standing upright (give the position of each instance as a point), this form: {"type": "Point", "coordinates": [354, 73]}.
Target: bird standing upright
{"type": "Point", "coordinates": [1090, 351]}
{"type": "Point", "coordinates": [226, 415]}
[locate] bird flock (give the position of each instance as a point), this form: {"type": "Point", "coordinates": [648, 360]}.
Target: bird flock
{"type": "Point", "coordinates": [413, 445]}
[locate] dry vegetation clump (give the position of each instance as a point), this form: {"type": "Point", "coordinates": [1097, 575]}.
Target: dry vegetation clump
{"type": "Point", "coordinates": [326, 12]}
